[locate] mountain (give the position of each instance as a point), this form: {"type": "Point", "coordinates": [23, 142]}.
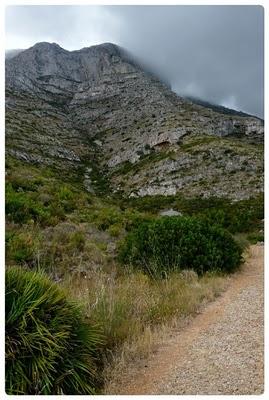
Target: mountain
{"type": "Point", "coordinates": [12, 53]}
{"type": "Point", "coordinates": [218, 108]}
{"type": "Point", "coordinates": [97, 115]}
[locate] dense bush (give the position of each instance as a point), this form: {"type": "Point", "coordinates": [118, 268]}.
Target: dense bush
{"type": "Point", "coordinates": [113, 219]}
{"type": "Point", "coordinates": [240, 216]}
{"type": "Point", "coordinates": [243, 216]}
{"type": "Point", "coordinates": [46, 207]}
{"type": "Point", "coordinates": [171, 243]}
{"type": "Point", "coordinates": [50, 349]}
{"type": "Point", "coordinates": [21, 208]}
{"type": "Point", "coordinates": [21, 247]}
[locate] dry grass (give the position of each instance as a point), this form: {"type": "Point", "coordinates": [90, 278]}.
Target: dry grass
{"type": "Point", "coordinates": [134, 310]}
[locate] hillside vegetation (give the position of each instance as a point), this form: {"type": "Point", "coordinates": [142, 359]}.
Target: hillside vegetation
{"type": "Point", "coordinates": [69, 250]}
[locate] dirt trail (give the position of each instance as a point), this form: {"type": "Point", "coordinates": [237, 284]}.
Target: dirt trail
{"type": "Point", "coordinates": [219, 352]}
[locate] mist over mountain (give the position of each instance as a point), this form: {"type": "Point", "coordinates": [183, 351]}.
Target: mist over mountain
{"type": "Point", "coordinates": [12, 53]}
{"type": "Point", "coordinates": [211, 52]}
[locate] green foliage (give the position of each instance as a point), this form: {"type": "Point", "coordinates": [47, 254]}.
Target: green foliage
{"type": "Point", "coordinates": [45, 204]}
{"type": "Point", "coordinates": [50, 349]}
{"type": "Point", "coordinates": [115, 230]}
{"type": "Point", "coordinates": [172, 243]}
{"type": "Point", "coordinates": [21, 207]}
{"type": "Point", "coordinates": [66, 198]}
{"type": "Point", "coordinates": [77, 241]}
{"type": "Point", "coordinates": [240, 216]}
{"type": "Point", "coordinates": [111, 218]}
{"type": "Point", "coordinates": [106, 216]}
{"type": "Point", "coordinates": [21, 247]}
{"type": "Point", "coordinates": [255, 237]}
{"type": "Point", "coordinates": [21, 183]}
{"type": "Point", "coordinates": [243, 216]}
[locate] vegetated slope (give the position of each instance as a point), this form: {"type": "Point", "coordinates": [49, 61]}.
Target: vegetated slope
{"type": "Point", "coordinates": [94, 119]}
{"type": "Point", "coordinates": [96, 115]}
{"type": "Point", "coordinates": [74, 236]}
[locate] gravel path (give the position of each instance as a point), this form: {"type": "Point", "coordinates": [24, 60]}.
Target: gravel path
{"type": "Point", "coordinates": [220, 351]}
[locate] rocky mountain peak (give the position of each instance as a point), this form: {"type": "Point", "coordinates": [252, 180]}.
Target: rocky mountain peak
{"type": "Point", "coordinates": [111, 48]}
{"type": "Point", "coordinates": [49, 61]}
{"type": "Point", "coordinates": [46, 46]}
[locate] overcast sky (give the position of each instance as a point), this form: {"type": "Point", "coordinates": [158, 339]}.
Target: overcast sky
{"type": "Point", "coordinates": [211, 52]}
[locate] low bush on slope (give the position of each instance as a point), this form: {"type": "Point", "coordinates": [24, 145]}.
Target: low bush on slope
{"type": "Point", "coordinates": [174, 243]}
{"type": "Point", "coordinates": [46, 208]}
{"type": "Point", "coordinates": [240, 216]}
{"type": "Point", "coordinates": [50, 349]}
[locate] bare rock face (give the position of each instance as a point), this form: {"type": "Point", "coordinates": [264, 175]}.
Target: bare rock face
{"type": "Point", "coordinates": [96, 110]}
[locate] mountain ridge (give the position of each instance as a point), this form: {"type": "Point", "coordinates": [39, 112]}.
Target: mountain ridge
{"type": "Point", "coordinates": [220, 108]}
{"type": "Point", "coordinates": [96, 109]}
{"type": "Point", "coordinates": [11, 53]}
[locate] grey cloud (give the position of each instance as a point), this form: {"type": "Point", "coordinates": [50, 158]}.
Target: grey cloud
{"type": "Point", "coordinates": [212, 52]}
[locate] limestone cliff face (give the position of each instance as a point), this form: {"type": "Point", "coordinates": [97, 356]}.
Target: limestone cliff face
{"type": "Point", "coordinates": [96, 107]}
{"type": "Point", "coordinates": [49, 66]}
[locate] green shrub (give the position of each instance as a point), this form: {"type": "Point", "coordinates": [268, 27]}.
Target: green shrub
{"type": "Point", "coordinates": [171, 243]}
{"type": "Point", "coordinates": [114, 220]}
{"type": "Point", "coordinates": [240, 216]}
{"type": "Point", "coordinates": [255, 237]}
{"type": "Point", "coordinates": [132, 219]}
{"type": "Point", "coordinates": [50, 349]}
{"type": "Point", "coordinates": [45, 203]}
{"type": "Point", "coordinates": [243, 216]}
{"type": "Point", "coordinates": [104, 217]}
{"type": "Point", "coordinates": [21, 208]}
{"type": "Point", "coordinates": [21, 247]}
{"type": "Point", "coordinates": [115, 230]}
{"type": "Point", "coordinates": [25, 184]}
{"type": "Point", "coordinates": [66, 198]}
{"type": "Point", "coordinates": [77, 241]}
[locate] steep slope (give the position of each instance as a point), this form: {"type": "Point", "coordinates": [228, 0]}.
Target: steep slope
{"type": "Point", "coordinates": [95, 113]}
{"type": "Point", "coordinates": [217, 108]}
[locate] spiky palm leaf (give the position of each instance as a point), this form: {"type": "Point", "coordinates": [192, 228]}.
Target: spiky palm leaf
{"type": "Point", "coordinates": [50, 348]}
